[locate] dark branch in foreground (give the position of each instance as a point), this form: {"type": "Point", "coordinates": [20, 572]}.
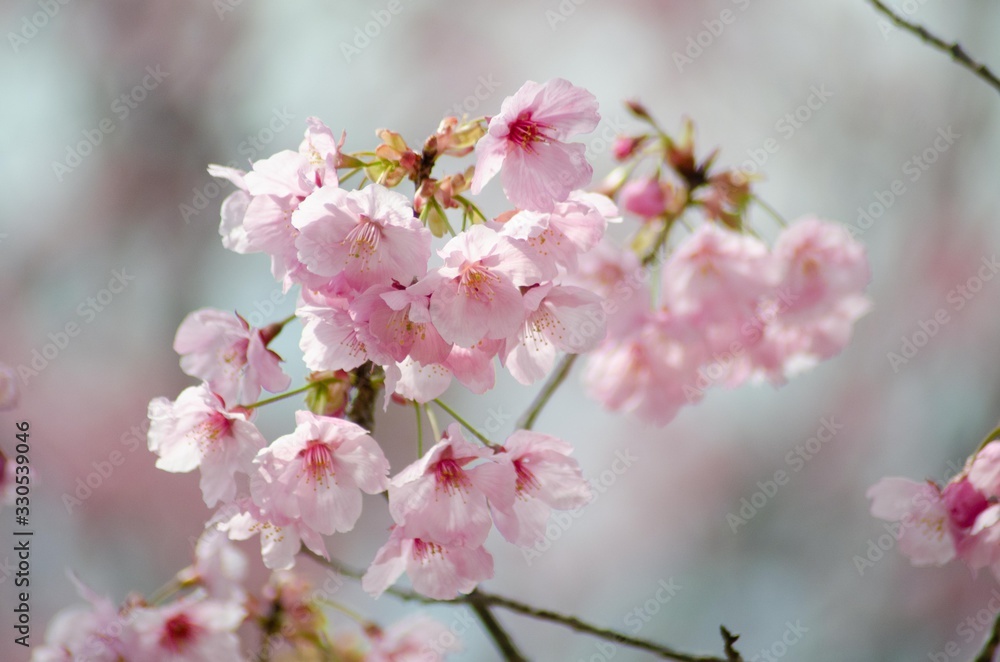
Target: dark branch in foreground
{"type": "Point", "coordinates": [991, 645]}
{"type": "Point", "coordinates": [491, 600]}
{"type": "Point", "coordinates": [954, 49]}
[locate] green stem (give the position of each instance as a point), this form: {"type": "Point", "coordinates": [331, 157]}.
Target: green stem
{"type": "Point", "coordinates": [454, 414]}
{"type": "Point", "coordinates": [288, 394]}
{"type": "Point", "coordinates": [420, 430]}
{"type": "Point", "coordinates": [992, 436]}
{"type": "Point", "coordinates": [771, 211]}
{"type": "Point", "coordinates": [432, 419]}
{"type": "Point", "coordinates": [527, 420]}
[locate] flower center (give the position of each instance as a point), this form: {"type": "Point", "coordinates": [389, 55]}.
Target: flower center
{"type": "Point", "coordinates": [178, 632]}
{"type": "Point", "coordinates": [364, 239]}
{"type": "Point", "coordinates": [524, 131]}
{"type": "Point", "coordinates": [422, 551]}
{"type": "Point", "coordinates": [526, 481]}
{"type": "Point", "coordinates": [478, 282]}
{"type": "Point", "coordinates": [317, 458]}
{"type": "Point", "coordinates": [451, 477]}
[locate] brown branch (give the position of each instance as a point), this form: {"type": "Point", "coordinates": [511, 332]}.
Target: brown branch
{"type": "Point", "coordinates": [954, 49]}
{"type": "Point", "coordinates": [991, 645]}
{"type": "Point", "coordinates": [500, 636]}
{"type": "Point", "coordinates": [571, 622]}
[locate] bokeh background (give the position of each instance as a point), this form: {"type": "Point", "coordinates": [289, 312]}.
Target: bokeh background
{"type": "Point", "coordinates": [240, 80]}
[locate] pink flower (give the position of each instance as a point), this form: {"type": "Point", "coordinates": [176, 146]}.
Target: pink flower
{"type": "Point", "coordinates": [925, 531]}
{"type": "Point", "coordinates": [441, 498]}
{"type": "Point", "coordinates": [196, 431]}
{"type": "Point", "coordinates": [556, 238]}
{"type": "Point", "coordinates": [643, 197]}
{"type": "Point", "coordinates": [438, 571]}
{"type": "Point", "coordinates": [281, 536]}
{"type": "Point", "coordinates": [371, 236]}
{"type": "Point", "coordinates": [187, 631]}
{"type": "Point", "coordinates": [414, 639]}
{"type": "Point", "coordinates": [985, 471]}
{"type": "Point", "coordinates": [559, 318]}
{"type": "Point", "coordinates": [618, 277]}
{"type": "Point", "coordinates": [399, 323]}
{"type": "Point", "coordinates": [526, 144]}
{"type": "Point", "coordinates": [226, 352]}
{"type": "Point", "coordinates": [333, 338]}
{"type": "Point", "coordinates": [717, 275]}
{"type": "Point", "coordinates": [475, 294]}
{"type": "Point", "coordinates": [652, 371]}
{"type": "Point", "coordinates": [317, 473]}
{"type": "Point", "coordinates": [9, 393]}
{"type": "Point", "coordinates": [92, 632]}
{"type": "Point", "coordinates": [547, 478]}
{"type": "Point", "coordinates": [257, 217]}
{"type": "Point", "coordinates": [219, 567]}
{"type": "Point", "coordinates": [822, 266]}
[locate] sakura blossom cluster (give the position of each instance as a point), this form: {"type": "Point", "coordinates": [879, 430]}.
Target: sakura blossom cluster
{"type": "Point", "coordinates": [961, 520]}
{"type": "Point", "coordinates": [388, 302]}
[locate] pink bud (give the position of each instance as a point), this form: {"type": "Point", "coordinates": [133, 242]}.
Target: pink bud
{"type": "Point", "coordinates": [643, 197]}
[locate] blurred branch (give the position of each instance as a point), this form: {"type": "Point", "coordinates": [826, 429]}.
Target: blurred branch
{"type": "Point", "coordinates": [991, 645]}
{"type": "Point", "coordinates": [555, 380]}
{"type": "Point", "coordinates": [478, 597]}
{"type": "Point", "coordinates": [954, 49]}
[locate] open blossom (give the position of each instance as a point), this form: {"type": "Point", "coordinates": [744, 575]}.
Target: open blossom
{"type": "Point", "coordinates": [475, 294]}
{"type": "Point", "coordinates": [547, 478]}
{"type": "Point", "coordinates": [555, 238]}
{"type": "Point", "coordinates": [651, 371]}
{"type": "Point", "coordinates": [219, 567]}
{"type": "Point", "coordinates": [525, 142]}
{"type": "Point", "coordinates": [229, 354]}
{"type": "Point", "coordinates": [558, 318]}
{"type": "Point", "coordinates": [717, 275]}
{"type": "Point", "coordinates": [441, 498]}
{"type": "Point", "coordinates": [370, 236]}
{"type": "Point", "coordinates": [281, 536]}
{"type": "Point", "coordinates": [317, 473]}
{"type": "Point", "coordinates": [257, 216]}
{"type": "Point", "coordinates": [189, 630]}
{"type": "Point", "coordinates": [399, 324]}
{"type": "Point", "coordinates": [984, 473]}
{"type": "Point", "coordinates": [925, 533]}
{"type": "Point", "coordinates": [197, 431]}
{"type": "Point", "coordinates": [92, 632]}
{"type": "Point", "coordinates": [821, 266]}
{"type": "Point", "coordinates": [333, 338]}
{"type": "Point", "coordinates": [438, 571]}
{"type": "Point", "coordinates": [413, 639]}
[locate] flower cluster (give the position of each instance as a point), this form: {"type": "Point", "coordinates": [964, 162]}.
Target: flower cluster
{"type": "Point", "coordinates": [388, 303]}
{"type": "Point", "coordinates": [938, 524]}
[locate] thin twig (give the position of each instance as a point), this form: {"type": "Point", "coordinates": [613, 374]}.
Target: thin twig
{"type": "Point", "coordinates": [571, 622]}
{"type": "Point", "coordinates": [500, 636]}
{"type": "Point", "coordinates": [555, 380]}
{"type": "Point", "coordinates": [991, 645]}
{"type": "Point", "coordinates": [954, 49]}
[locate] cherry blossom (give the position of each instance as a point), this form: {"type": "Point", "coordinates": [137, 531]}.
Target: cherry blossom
{"type": "Point", "coordinates": [547, 478]}
{"type": "Point", "coordinates": [370, 236]}
{"type": "Point", "coordinates": [438, 571]}
{"type": "Point", "coordinates": [317, 473]}
{"type": "Point", "coordinates": [443, 498]}
{"type": "Point", "coordinates": [525, 142]}
{"type": "Point", "coordinates": [196, 431]}
{"type": "Point", "coordinates": [232, 357]}
{"type": "Point", "coordinates": [187, 630]}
